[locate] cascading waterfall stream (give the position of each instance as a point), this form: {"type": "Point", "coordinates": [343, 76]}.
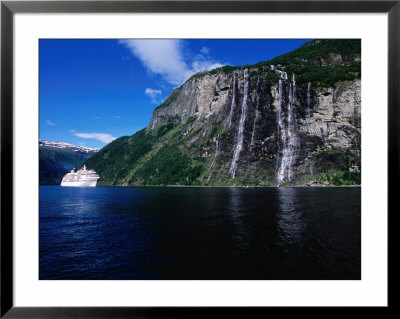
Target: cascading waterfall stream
{"type": "Point", "coordinates": [257, 112]}
{"type": "Point", "coordinates": [289, 141]}
{"type": "Point", "coordinates": [283, 75]}
{"type": "Point", "coordinates": [217, 151]}
{"type": "Point", "coordinates": [292, 128]}
{"type": "Point", "coordinates": [308, 106]}
{"type": "Point", "coordinates": [282, 134]}
{"type": "Point", "coordinates": [239, 139]}
{"type": "Point", "coordinates": [229, 119]}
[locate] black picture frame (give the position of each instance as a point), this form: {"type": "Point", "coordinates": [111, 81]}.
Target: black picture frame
{"type": "Point", "coordinates": [9, 8]}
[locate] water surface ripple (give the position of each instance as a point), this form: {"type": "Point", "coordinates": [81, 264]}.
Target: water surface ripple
{"type": "Point", "coordinates": [199, 233]}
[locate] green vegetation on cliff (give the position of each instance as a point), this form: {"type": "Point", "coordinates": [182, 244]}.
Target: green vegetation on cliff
{"type": "Point", "coordinates": [322, 62]}
{"type": "Point", "coordinates": [333, 167]}
{"type": "Point", "coordinates": [313, 50]}
{"type": "Point", "coordinates": [147, 158]}
{"type": "Point", "coordinates": [168, 167]}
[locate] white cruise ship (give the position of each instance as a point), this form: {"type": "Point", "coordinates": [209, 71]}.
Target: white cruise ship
{"type": "Point", "coordinates": [81, 178]}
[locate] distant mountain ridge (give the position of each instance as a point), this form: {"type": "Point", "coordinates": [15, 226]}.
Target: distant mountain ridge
{"type": "Point", "coordinates": [58, 158]}
{"type": "Point", "coordinates": [293, 120]}
{"type": "Point", "coordinates": [67, 145]}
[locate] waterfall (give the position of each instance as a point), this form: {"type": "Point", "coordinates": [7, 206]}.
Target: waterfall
{"type": "Point", "coordinates": [289, 141]}
{"type": "Point", "coordinates": [308, 106]}
{"type": "Point", "coordinates": [282, 134]}
{"type": "Point", "coordinates": [292, 128]}
{"type": "Point", "coordinates": [293, 109]}
{"type": "Point", "coordinates": [239, 139]}
{"type": "Point", "coordinates": [217, 151]}
{"type": "Point", "coordinates": [257, 113]}
{"type": "Point", "coordinates": [229, 119]}
{"type": "Point", "coordinates": [282, 74]}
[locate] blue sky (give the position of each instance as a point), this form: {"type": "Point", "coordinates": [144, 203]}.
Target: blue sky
{"type": "Point", "coordinates": [93, 91]}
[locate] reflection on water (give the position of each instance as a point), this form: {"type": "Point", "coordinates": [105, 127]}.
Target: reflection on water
{"type": "Point", "coordinates": [237, 209]}
{"type": "Point", "coordinates": [199, 233]}
{"type": "Point", "coordinates": [289, 218]}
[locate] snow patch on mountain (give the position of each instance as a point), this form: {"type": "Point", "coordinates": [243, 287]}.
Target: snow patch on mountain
{"type": "Point", "coordinates": [82, 149]}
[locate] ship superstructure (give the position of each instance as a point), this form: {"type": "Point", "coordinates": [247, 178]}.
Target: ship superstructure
{"type": "Point", "coordinates": [81, 178]}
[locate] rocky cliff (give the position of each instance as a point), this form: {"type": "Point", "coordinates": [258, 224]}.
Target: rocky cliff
{"type": "Point", "coordinates": [295, 120]}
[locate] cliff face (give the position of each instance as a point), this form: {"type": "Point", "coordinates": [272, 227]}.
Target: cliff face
{"type": "Point", "coordinates": [278, 131]}
{"type": "Point", "coordinates": [201, 98]}
{"type": "Point", "coordinates": [253, 126]}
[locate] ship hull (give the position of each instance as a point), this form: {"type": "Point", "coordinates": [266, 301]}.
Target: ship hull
{"type": "Point", "coordinates": [79, 184]}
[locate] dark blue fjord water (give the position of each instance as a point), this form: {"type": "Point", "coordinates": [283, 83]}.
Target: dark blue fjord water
{"type": "Point", "coordinates": [199, 233]}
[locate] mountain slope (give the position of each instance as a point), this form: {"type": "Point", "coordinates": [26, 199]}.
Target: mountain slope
{"type": "Point", "coordinates": [57, 159]}
{"type": "Point", "coordinates": [294, 120]}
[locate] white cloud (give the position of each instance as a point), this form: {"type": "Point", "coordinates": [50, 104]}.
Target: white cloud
{"type": "Point", "coordinates": [205, 50]}
{"type": "Point", "coordinates": [153, 93]}
{"type": "Point", "coordinates": [166, 57]}
{"type": "Point", "coordinates": [50, 123]}
{"type": "Point", "coordinates": [117, 116]}
{"type": "Point", "coordinates": [103, 137]}
{"type": "Point", "coordinates": [202, 65]}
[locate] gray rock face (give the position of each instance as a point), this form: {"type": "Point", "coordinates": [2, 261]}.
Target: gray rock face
{"type": "Point", "coordinates": [323, 122]}
{"type": "Point", "coordinates": [335, 59]}
{"type": "Point", "coordinates": [200, 98]}
{"type": "Point", "coordinates": [337, 114]}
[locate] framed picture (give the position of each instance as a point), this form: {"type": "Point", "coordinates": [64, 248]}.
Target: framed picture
{"type": "Point", "coordinates": [221, 154]}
